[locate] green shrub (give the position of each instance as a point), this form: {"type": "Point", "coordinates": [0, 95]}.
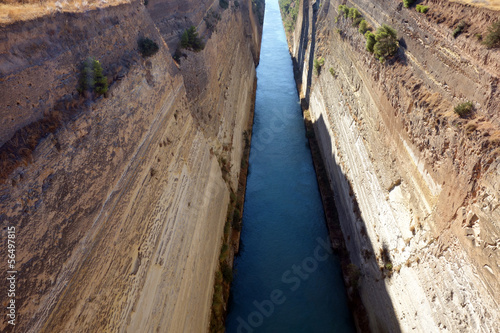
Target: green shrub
{"type": "Point", "coordinates": [190, 39]}
{"type": "Point", "coordinates": [318, 63]}
{"type": "Point", "coordinates": [388, 266]}
{"type": "Point", "coordinates": [177, 55]}
{"type": "Point", "coordinates": [224, 4]}
{"type": "Point", "coordinates": [463, 109]}
{"type": "Point", "coordinates": [333, 72]}
{"type": "Point", "coordinates": [363, 26]}
{"type": "Point", "coordinates": [92, 78]}
{"type": "Point", "coordinates": [422, 9]}
{"type": "Point", "coordinates": [147, 47]}
{"type": "Point", "coordinates": [227, 228]}
{"type": "Point", "coordinates": [459, 29]}
{"type": "Point", "coordinates": [353, 275]}
{"type": "Point", "coordinates": [408, 3]}
{"type": "Point", "coordinates": [356, 21]}
{"type": "Point", "coordinates": [492, 39]}
{"type": "Point", "coordinates": [236, 217]}
{"type": "Point", "coordinates": [227, 272]}
{"type": "Point", "coordinates": [289, 12]}
{"type": "Point", "coordinates": [387, 42]}
{"type": "Point", "coordinates": [224, 252]}
{"type": "Point", "coordinates": [211, 19]}
{"type": "Point", "coordinates": [353, 13]}
{"type": "Point", "coordinates": [343, 10]}
{"type": "Point", "coordinates": [370, 41]}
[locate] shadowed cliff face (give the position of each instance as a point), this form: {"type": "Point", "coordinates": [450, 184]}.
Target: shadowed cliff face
{"type": "Point", "coordinates": [425, 180]}
{"type": "Point", "coordinates": [119, 210]}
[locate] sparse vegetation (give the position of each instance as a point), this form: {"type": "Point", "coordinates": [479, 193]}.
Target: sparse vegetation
{"type": "Point", "coordinates": [92, 78]}
{"type": "Point", "coordinates": [386, 42]}
{"type": "Point", "coordinates": [190, 40]}
{"type": "Point", "coordinates": [289, 11]}
{"type": "Point", "coordinates": [353, 274]}
{"type": "Point", "coordinates": [224, 4]}
{"type": "Point", "coordinates": [492, 39]}
{"type": "Point", "coordinates": [353, 13]}
{"type": "Point", "coordinates": [152, 172]}
{"type": "Point", "coordinates": [258, 9]}
{"type": "Point", "coordinates": [459, 29]}
{"type": "Point", "coordinates": [227, 272]}
{"type": "Point", "coordinates": [343, 10]}
{"type": "Point", "coordinates": [147, 47]}
{"type": "Point", "coordinates": [408, 3]}
{"type": "Point", "coordinates": [177, 55]}
{"type": "Point", "coordinates": [356, 21]}
{"type": "Point", "coordinates": [332, 71]}
{"type": "Point", "coordinates": [363, 26]}
{"type": "Point", "coordinates": [318, 63]}
{"type": "Point", "coordinates": [370, 41]}
{"type": "Point", "coordinates": [471, 127]}
{"type": "Point", "coordinates": [422, 9]}
{"type": "Point", "coordinates": [464, 109]}
{"type": "Point", "coordinates": [211, 19]}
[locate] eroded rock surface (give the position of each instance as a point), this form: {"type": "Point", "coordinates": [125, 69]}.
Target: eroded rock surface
{"type": "Point", "coordinates": [417, 187]}
{"type": "Point", "coordinates": [119, 213]}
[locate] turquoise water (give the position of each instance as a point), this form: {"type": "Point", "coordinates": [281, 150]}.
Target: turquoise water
{"type": "Point", "coordinates": [287, 279]}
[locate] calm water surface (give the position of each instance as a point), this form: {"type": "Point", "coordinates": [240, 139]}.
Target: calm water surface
{"type": "Point", "coordinates": [286, 279]}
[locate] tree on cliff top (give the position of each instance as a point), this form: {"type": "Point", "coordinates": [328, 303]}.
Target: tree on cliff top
{"type": "Point", "coordinates": [190, 39]}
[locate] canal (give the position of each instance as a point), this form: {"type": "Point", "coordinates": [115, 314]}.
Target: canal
{"type": "Point", "coordinates": [286, 278]}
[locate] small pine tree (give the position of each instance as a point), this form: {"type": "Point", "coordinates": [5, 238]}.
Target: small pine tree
{"type": "Point", "coordinates": [343, 10]}
{"type": "Point", "coordinates": [92, 78]}
{"type": "Point", "coordinates": [387, 43]}
{"type": "Point", "coordinates": [353, 13]}
{"type": "Point", "coordinates": [190, 39]}
{"type": "Point", "coordinates": [370, 41]}
{"type": "Point", "coordinates": [363, 26]}
{"type": "Point", "coordinates": [408, 3]}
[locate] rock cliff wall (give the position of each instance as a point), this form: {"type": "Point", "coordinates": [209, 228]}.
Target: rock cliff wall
{"type": "Point", "coordinates": [416, 186]}
{"type": "Point", "coordinates": [119, 211]}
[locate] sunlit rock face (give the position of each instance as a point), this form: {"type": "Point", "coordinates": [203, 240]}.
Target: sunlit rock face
{"type": "Point", "coordinates": [417, 186]}
{"type": "Point", "coordinates": [119, 207]}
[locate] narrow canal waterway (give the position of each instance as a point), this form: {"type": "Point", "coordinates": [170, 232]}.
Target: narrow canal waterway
{"type": "Point", "coordinates": [287, 279]}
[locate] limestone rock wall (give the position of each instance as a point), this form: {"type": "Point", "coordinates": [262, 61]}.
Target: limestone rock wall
{"type": "Point", "coordinates": [416, 185]}
{"type": "Point", "coordinates": [120, 212]}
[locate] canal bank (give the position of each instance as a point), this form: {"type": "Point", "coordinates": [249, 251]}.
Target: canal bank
{"type": "Point", "coordinates": [287, 278]}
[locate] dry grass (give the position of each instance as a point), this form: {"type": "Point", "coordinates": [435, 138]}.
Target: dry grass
{"type": "Point", "coordinates": [14, 10]}
{"type": "Point", "coordinates": [490, 4]}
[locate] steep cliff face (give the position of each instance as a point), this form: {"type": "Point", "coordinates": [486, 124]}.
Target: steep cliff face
{"type": "Point", "coordinates": [119, 211]}
{"type": "Point", "coordinates": [417, 187]}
